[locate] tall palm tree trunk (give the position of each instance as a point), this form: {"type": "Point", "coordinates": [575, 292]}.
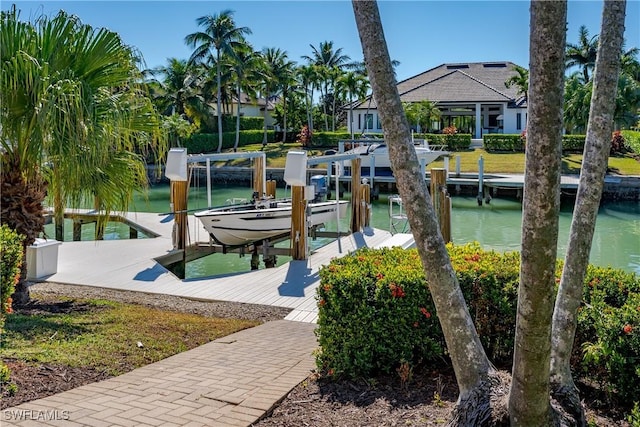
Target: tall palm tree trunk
{"type": "Point", "coordinates": [218, 101]}
{"type": "Point", "coordinates": [237, 142]}
{"type": "Point", "coordinates": [594, 167]}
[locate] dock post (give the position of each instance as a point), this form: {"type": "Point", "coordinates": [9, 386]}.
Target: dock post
{"type": "Point", "coordinates": [457, 165]}
{"type": "Point", "coordinates": [480, 180]}
{"type": "Point", "coordinates": [298, 224]}
{"type": "Point", "coordinates": [441, 201]}
{"type": "Point", "coordinates": [271, 188]}
{"type": "Point", "coordinates": [258, 176]}
{"type": "Point", "coordinates": [176, 171]}
{"type": "Point", "coordinates": [365, 202]}
{"type": "Point", "coordinates": [355, 195]}
{"type": "Point", "coordinates": [133, 233]}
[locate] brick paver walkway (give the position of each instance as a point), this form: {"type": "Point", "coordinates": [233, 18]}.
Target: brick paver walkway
{"type": "Point", "coordinates": [232, 381]}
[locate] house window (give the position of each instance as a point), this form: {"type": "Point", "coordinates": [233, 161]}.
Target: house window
{"type": "Point", "coordinates": [368, 121]}
{"type": "Point", "coordinates": [519, 121]}
{"type": "Point", "coordinates": [359, 121]}
{"type": "Point", "coordinates": [379, 124]}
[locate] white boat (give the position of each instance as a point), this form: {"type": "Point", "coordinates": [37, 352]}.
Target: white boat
{"type": "Point", "coordinates": [247, 223]}
{"type": "Point", "coordinates": [380, 152]}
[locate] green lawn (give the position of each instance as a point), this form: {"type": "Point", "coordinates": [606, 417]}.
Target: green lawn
{"type": "Point", "coordinates": [514, 163]}
{"type": "Point", "coordinates": [105, 334]}
{"type": "Point", "coordinates": [493, 162]}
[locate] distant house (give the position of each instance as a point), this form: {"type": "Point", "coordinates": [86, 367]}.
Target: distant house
{"type": "Point", "coordinates": [471, 96]}
{"type": "Point", "coordinates": [254, 108]}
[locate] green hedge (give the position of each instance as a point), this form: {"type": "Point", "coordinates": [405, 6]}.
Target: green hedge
{"type": "Point", "coordinates": [503, 142]}
{"type": "Point", "coordinates": [516, 142]}
{"type": "Point", "coordinates": [208, 142]}
{"type": "Point", "coordinates": [246, 123]}
{"type": "Point", "coordinates": [453, 142]}
{"type": "Point", "coordinates": [329, 139]}
{"type": "Point", "coordinates": [375, 314]}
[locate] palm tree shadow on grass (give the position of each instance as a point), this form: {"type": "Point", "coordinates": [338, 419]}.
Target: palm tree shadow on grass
{"type": "Point", "coordinates": [570, 166]}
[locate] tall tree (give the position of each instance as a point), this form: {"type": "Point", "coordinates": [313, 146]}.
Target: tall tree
{"type": "Point", "coordinates": [327, 60]}
{"type": "Point", "coordinates": [244, 64]}
{"type": "Point", "coordinates": [73, 117]}
{"type": "Point", "coordinates": [221, 35]}
{"type": "Point", "coordinates": [529, 402]}
{"type": "Point", "coordinates": [308, 77]}
{"type": "Point", "coordinates": [594, 167]}
{"type": "Point", "coordinates": [583, 54]}
{"type": "Point", "coordinates": [274, 61]}
{"type": "Point", "coordinates": [355, 87]}
{"type": "Point", "coordinates": [176, 86]}
{"type": "Point", "coordinates": [474, 372]}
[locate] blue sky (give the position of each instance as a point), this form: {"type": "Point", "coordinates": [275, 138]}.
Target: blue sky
{"type": "Point", "coordinates": [420, 34]}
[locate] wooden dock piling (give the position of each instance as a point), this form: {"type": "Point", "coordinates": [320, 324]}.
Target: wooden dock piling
{"type": "Point", "coordinates": [441, 201]}
{"type": "Point", "coordinates": [298, 223]}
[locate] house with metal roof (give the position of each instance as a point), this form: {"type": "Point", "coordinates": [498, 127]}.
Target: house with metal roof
{"type": "Point", "coordinates": [472, 97]}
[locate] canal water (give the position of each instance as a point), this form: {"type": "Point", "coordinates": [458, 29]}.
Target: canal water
{"type": "Point", "coordinates": [496, 226]}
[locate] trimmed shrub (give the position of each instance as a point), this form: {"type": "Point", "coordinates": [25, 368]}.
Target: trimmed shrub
{"type": "Point", "coordinates": [453, 142]}
{"type": "Point", "coordinates": [573, 143]}
{"type": "Point", "coordinates": [607, 345]}
{"type": "Point", "coordinates": [329, 139]}
{"type": "Point", "coordinates": [489, 282]}
{"type": "Point", "coordinates": [503, 142]}
{"type": "Point", "coordinates": [375, 313]}
{"type": "Point", "coordinates": [246, 123]}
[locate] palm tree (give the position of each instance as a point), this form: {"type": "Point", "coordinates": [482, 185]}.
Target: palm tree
{"type": "Point", "coordinates": [244, 64]}
{"type": "Point", "coordinates": [422, 113]}
{"type": "Point", "coordinates": [327, 59]}
{"type": "Point", "coordinates": [308, 77]}
{"type": "Point", "coordinates": [221, 35]}
{"type": "Point", "coordinates": [174, 86]}
{"type": "Point", "coordinates": [584, 53]}
{"type": "Point", "coordinates": [73, 117]}
{"type": "Point", "coordinates": [355, 87]}
{"type": "Point", "coordinates": [287, 82]}
{"type": "Point", "coordinates": [519, 80]}
{"type": "Point", "coordinates": [274, 60]}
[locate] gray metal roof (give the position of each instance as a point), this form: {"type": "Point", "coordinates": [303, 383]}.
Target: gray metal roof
{"type": "Point", "coordinates": [459, 83]}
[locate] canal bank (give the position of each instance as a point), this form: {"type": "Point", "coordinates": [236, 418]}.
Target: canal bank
{"type": "Point", "coordinates": [616, 187]}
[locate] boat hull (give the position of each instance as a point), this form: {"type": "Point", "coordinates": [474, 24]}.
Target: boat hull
{"type": "Point", "coordinates": [238, 226]}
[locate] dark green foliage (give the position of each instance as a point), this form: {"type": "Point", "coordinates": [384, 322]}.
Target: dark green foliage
{"type": "Point", "coordinates": [246, 123]}
{"type": "Point", "coordinates": [10, 263]}
{"type": "Point", "coordinates": [453, 141]}
{"type": "Point", "coordinates": [373, 315]}
{"type": "Point", "coordinates": [208, 142]}
{"type": "Point", "coordinates": [503, 142]}
{"type": "Point", "coordinates": [632, 138]}
{"type": "Point", "coordinates": [517, 142]}
{"type": "Point", "coordinates": [608, 338]}
{"type": "Point", "coordinates": [329, 139]}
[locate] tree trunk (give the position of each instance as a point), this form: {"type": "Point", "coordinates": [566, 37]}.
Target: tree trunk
{"type": "Point", "coordinates": [235, 145]}
{"type": "Point", "coordinates": [219, 111]}
{"type": "Point", "coordinates": [529, 402]}
{"type": "Point", "coordinates": [284, 120]}
{"type": "Point", "coordinates": [264, 114]}
{"type": "Point", "coordinates": [473, 370]}
{"type": "Point", "coordinates": [21, 209]}
{"type": "Point", "coordinates": [594, 167]}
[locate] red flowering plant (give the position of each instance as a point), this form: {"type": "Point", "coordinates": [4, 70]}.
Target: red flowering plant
{"type": "Point", "coordinates": [607, 338]}
{"type": "Point", "coordinates": [369, 318]}
{"type": "Point", "coordinates": [304, 137]}
{"type": "Point", "coordinates": [450, 130]}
